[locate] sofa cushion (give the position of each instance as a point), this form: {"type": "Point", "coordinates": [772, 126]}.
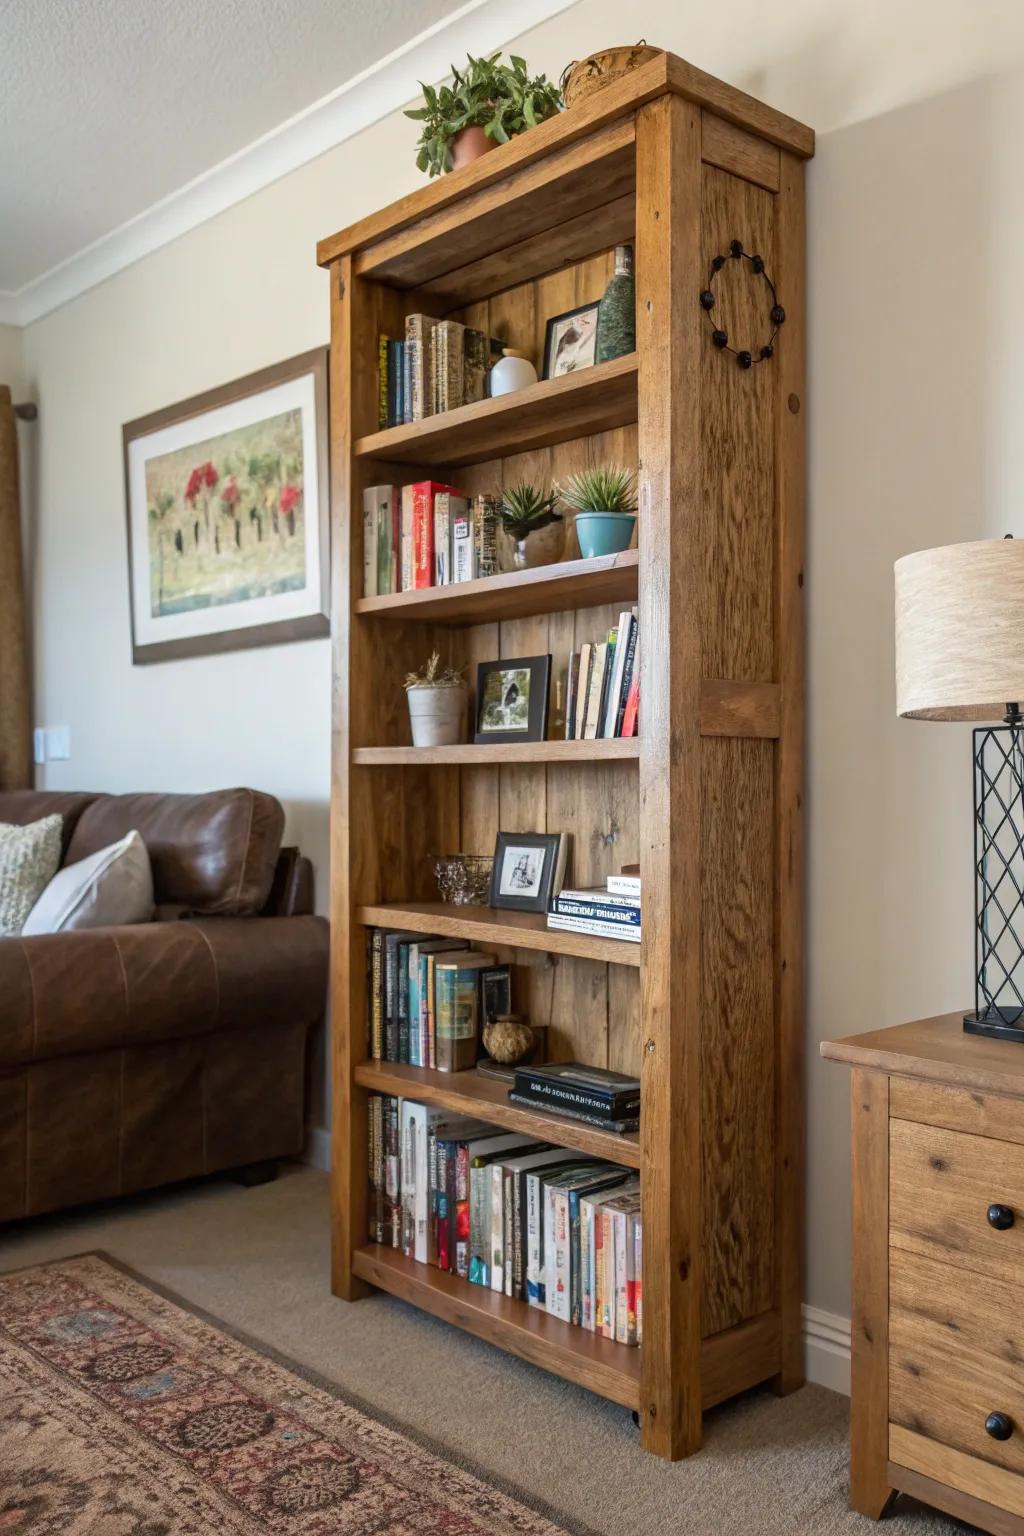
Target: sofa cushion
{"type": "Point", "coordinates": [108, 889]}
{"type": "Point", "coordinates": [211, 854]}
{"type": "Point", "coordinates": [29, 859]}
{"type": "Point", "coordinates": [66, 994]}
{"type": "Point", "coordinates": [20, 806]}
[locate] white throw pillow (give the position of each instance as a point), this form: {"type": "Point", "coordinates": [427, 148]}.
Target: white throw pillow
{"type": "Point", "coordinates": [110, 887]}
{"type": "Point", "coordinates": [29, 859]}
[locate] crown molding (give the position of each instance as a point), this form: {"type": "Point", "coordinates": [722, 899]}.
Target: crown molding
{"type": "Point", "coordinates": [480, 26]}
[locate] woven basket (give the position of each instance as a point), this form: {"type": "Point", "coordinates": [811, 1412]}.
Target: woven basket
{"type": "Point", "coordinates": [582, 77]}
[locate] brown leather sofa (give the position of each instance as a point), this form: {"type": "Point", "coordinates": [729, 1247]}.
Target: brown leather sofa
{"type": "Point", "coordinates": [136, 1056]}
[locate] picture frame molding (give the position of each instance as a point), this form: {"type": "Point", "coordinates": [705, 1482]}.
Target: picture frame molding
{"type": "Point", "coordinates": [536, 728]}
{"type": "Point", "coordinates": [275, 631]}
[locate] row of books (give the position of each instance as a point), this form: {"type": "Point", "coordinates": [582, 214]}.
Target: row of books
{"type": "Point", "coordinates": [428, 999]}
{"type": "Point", "coordinates": [603, 684]}
{"type": "Point", "coordinates": [548, 1226]}
{"type": "Point", "coordinates": [610, 911]}
{"type": "Point", "coordinates": [426, 534]}
{"type": "Point", "coordinates": [437, 366]}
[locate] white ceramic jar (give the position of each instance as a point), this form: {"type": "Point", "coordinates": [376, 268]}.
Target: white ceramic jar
{"type": "Point", "coordinates": [513, 370]}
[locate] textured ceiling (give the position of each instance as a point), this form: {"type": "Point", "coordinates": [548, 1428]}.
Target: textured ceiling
{"type": "Point", "coordinates": [107, 106]}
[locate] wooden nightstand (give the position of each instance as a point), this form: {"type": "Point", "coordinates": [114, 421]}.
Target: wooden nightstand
{"type": "Point", "coordinates": [938, 1268]}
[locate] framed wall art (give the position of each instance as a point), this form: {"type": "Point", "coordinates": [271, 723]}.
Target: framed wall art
{"type": "Point", "coordinates": [227, 503]}
{"type": "Point", "coordinates": [570, 341]}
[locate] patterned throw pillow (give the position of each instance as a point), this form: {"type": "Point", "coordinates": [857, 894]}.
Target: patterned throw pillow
{"type": "Point", "coordinates": [29, 859]}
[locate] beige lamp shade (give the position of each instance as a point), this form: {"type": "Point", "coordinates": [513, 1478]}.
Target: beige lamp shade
{"type": "Point", "coordinates": [960, 631]}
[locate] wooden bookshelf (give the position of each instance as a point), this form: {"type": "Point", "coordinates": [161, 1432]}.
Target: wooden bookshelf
{"type": "Point", "coordinates": [613, 750]}
{"type": "Point", "coordinates": [484, 925]}
{"type": "Point", "coordinates": [470, 1093]}
{"type": "Point", "coordinates": [708, 1009]}
{"type": "Point", "coordinates": [576, 405]}
{"type": "Point", "coordinates": [606, 579]}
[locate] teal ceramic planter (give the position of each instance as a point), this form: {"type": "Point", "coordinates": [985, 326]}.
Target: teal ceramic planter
{"type": "Point", "coordinates": [604, 533]}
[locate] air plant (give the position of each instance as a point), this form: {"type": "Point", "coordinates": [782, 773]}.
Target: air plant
{"type": "Point", "coordinates": [526, 508]}
{"type": "Point", "coordinates": [604, 488]}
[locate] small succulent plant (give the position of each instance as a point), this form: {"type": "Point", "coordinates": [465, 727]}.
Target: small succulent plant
{"type": "Point", "coordinates": [433, 675]}
{"type": "Point", "coordinates": [604, 488]}
{"type": "Point", "coordinates": [526, 508]}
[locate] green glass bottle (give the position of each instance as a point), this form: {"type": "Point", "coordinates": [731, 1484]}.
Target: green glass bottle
{"type": "Point", "coordinates": [616, 313]}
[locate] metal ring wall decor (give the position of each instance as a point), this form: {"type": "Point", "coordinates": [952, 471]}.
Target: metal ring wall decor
{"type": "Point", "coordinates": [776, 314]}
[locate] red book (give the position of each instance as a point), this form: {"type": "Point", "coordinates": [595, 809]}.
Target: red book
{"type": "Point", "coordinates": [423, 494]}
{"type": "Point", "coordinates": [629, 714]}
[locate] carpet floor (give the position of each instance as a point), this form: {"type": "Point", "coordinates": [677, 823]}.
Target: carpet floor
{"type": "Point", "coordinates": [258, 1260]}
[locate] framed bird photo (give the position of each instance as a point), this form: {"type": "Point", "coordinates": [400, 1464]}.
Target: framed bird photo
{"type": "Point", "coordinates": [570, 342]}
{"type": "Point", "coordinates": [512, 699]}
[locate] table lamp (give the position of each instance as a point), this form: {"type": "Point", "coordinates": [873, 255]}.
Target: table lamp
{"type": "Point", "coordinates": [960, 656]}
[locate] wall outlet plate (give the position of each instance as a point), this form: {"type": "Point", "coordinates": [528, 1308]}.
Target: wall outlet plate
{"type": "Point", "coordinates": [58, 743]}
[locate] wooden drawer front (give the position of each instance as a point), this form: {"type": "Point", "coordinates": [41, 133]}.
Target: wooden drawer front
{"type": "Point", "coordinates": [957, 1109]}
{"type": "Point", "coordinates": [956, 1355]}
{"type": "Point", "coordinates": [941, 1184]}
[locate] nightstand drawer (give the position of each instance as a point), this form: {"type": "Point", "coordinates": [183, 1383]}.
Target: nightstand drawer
{"type": "Point", "coordinates": [956, 1360]}
{"type": "Point", "coordinates": [957, 1198]}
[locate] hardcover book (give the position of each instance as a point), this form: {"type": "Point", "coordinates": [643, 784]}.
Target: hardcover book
{"type": "Point", "coordinates": [580, 1086]}
{"type": "Point", "coordinates": [457, 1005]}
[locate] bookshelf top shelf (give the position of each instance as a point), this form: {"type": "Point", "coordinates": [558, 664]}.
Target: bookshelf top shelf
{"type": "Point", "coordinates": [487, 925]}
{"type": "Point", "coordinates": [614, 749]}
{"type": "Point", "coordinates": [552, 411]}
{"type": "Point", "coordinates": [515, 594]}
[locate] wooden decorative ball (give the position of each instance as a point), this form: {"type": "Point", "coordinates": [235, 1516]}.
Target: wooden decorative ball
{"type": "Point", "coordinates": [508, 1040]}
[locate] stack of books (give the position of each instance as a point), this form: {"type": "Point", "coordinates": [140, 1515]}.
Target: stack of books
{"type": "Point", "coordinates": [427, 999]}
{"type": "Point", "coordinates": [610, 911]}
{"type": "Point", "coordinates": [427, 534]}
{"type": "Point", "coordinates": [437, 366]}
{"type": "Point", "coordinates": [603, 685]}
{"type": "Point", "coordinates": [542, 1224]}
{"type": "Point", "coordinates": [599, 1097]}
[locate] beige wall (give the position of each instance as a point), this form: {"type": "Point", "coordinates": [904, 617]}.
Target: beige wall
{"type": "Point", "coordinates": [11, 363]}
{"type": "Point", "coordinates": [914, 430]}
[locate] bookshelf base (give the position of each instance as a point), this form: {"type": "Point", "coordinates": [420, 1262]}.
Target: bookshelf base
{"type": "Point", "coordinates": [609, 1369]}
{"type": "Point", "coordinates": [730, 1362]}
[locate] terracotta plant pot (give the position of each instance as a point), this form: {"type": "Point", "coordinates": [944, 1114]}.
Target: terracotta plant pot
{"type": "Point", "coordinates": [468, 145]}
{"type": "Point", "coordinates": [435, 716]}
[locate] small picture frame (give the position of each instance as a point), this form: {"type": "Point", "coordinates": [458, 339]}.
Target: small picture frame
{"type": "Point", "coordinates": [529, 869]}
{"type": "Point", "coordinates": [495, 993]}
{"type": "Point", "coordinates": [570, 342]}
{"type": "Point", "coordinates": [512, 699]}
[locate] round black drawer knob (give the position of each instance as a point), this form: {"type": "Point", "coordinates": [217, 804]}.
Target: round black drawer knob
{"type": "Point", "coordinates": [1001, 1217]}
{"type": "Point", "coordinates": [999, 1426]}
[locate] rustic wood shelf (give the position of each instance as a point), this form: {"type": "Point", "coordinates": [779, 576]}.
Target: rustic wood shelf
{"type": "Point", "coordinates": [470, 1093]}
{"type": "Point", "coordinates": [516, 594]}
{"type": "Point", "coordinates": [707, 1011]}
{"type": "Point", "coordinates": [610, 1369]}
{"type": "Point", "coordinates": [485, 925]}
{"type": "Point", "coordinates": [551, 411]}
{"type": "Point", "coordinates": [610, 750]}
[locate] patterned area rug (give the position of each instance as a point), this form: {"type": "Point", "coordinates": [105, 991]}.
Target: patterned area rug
{"type": "Point", "coordinates": [124, 1413]}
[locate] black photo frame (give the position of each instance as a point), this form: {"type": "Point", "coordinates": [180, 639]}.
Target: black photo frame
{"type": "Point", "coordinates": [513, 707]}
{"type": "Point", "coordinates": [559, 360]}
{"type": "Point", "coordinates": [529, 868]}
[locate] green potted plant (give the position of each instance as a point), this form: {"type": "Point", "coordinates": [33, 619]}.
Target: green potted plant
{"type": "Point", "coordinates": [437, 704]}
{"type": "Point", "coordinates": [525, 510]}
{"type": "Point", "coordinates": [486, 104]}
{"type": "Point", "coordinates": [605, 502]}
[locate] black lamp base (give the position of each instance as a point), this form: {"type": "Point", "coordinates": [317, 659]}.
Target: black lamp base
{"type": "Point", "coordinates": [997, 1023]}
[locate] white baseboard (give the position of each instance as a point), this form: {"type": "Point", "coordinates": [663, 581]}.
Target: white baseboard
{"type": "Point", "coordinates": [826, 1334]}
{"type": "Point", "coordinates": [317, 1151]}
{"type": "Point", "coordinates": [827, 1349]}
